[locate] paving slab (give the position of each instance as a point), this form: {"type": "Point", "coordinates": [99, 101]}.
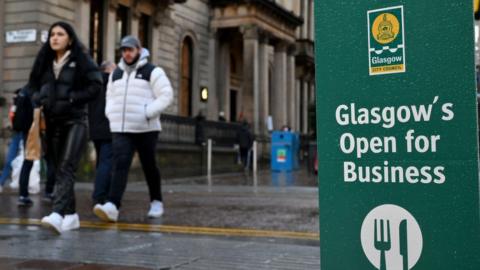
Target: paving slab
{"type": "Point", "coordinates": [32, 247]}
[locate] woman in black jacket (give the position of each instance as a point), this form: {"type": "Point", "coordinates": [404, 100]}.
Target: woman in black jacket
{"type": "Point", "coordinates": [63, 80]}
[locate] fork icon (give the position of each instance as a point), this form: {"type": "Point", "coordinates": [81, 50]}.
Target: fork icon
{"type": "Point", "coordinates": [380, 243]}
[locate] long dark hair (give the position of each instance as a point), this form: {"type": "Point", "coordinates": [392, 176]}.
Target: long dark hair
{"type": "Point", "coordinates": [46, 55]}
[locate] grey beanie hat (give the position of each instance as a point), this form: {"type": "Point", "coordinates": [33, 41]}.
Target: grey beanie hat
{"type": "Point", "coordinates": [130, 42]}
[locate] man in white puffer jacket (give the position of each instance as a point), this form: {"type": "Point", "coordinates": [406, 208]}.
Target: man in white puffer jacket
{"type": "Point", "coordinates": [137, 92]}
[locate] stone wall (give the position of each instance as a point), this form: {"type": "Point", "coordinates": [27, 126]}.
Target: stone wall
{"type": "Point", "coordinates": [190, 19]}
{"type": "Point", "coordinates": [35, 14]}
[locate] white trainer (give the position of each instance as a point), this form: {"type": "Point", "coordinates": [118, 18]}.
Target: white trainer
{"type": "Point", "coordinates": [53, 221]}
{"type": "Point", "coordinates": [106, 212]}
{"type": "Point", "coordinates": [71, 222]}
{"type": "Point", "coordinates": [156, 209]}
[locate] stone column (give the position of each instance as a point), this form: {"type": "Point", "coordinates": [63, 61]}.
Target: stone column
{"type": "Point", "coordinates": [298, 100]}
{"type": "Point", "coordinates": [311, 22]}
{"type": "Point", "coordinates": [304, 15]}
{"type": "Point", "coordinates": [159, 18]}
{"type": "Point", "coordinates": [82, 20]}
{"type": "Point", "coordinates": [279, 94]}
{"type": "Point", "coordinates": [213, 64]}
{"type": "Point", "coordinates": [312, 100]}
{"type": "Point", "coordinates": [2, 42]}
{"type": "Point", "coordinates": [291, 87]}
{"type": "Point", "coordinates": [155, 43]}
{"type": "Point", "coordinates": [264, 84]}
{"type": "Point", "coordinates": [223, 80]}
{"type": "Point", "coordinates": [250, 74]}
{"type": "Point", "coordinates": [109, 46]}
{"type": "Point", "coordinates": [135, 15]}
{"type": "Point", "coordinates": [134, 25]}
{"type": "Point", "coordinates": [305, 92]}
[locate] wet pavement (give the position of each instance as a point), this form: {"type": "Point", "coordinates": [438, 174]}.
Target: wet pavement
{"type": "Point", "coordinates": [33, 264]}
{"type": "Point", "coordinates": [298, 178]}
{"type": "Point", "coordinates": [287, 208]}
{"type": "Point", "coordinates": [237, 222]}
{"type": "Point", "coordinates": [89, 248]}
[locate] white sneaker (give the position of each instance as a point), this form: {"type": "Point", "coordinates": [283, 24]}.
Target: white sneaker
{"type": "Point", "coordinates": [156, 209]}
{"type": "Point", "coordinates": [53, 221]}
{"type": "Point", "coordinates": [71, 222]}
{"type": "Point", "coordinates": [106, 212]}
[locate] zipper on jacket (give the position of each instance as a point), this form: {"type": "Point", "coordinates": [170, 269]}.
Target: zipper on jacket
{"type": "Point", "coordinates": [125, 103]}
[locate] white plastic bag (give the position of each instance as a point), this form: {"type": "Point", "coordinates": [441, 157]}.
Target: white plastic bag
{"type": "Point", "coordinates": [34, 181]}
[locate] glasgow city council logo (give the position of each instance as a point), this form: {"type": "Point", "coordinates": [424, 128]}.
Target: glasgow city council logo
{"type": "Point", "coordinates": [386, 42]}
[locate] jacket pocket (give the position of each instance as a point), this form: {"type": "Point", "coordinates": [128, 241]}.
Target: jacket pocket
{"type": "Point", "coordinates": [145, 113]}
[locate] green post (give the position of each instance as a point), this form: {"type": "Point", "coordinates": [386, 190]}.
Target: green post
{"type": "Point", "coordinates": [397, 135]}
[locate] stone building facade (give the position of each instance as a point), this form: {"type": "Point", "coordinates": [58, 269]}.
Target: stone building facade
{"type": "Point", "coordinates": [255, 57]}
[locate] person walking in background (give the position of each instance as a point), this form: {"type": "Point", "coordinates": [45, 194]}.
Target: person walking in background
{"type": "Point", "coordinates": [137, 93]}
{"type": "Point", "coordinates": [102, 139]}
{"type": "Point", "coordinates": [245, 142]}
{"type": "Point", "coordinates": [25, 175]}
{"type": "Point", "coordinates": [199, 130]}
{"type": "Point", "coordinates": [63, 80]}
{"type": "Point", "coordinates": [21, 118]}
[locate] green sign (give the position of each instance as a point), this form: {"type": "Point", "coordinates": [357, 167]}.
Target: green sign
{"type": "Point", "coordinates": [397, 145]}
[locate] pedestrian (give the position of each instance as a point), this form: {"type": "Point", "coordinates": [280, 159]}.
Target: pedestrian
{"type": "Point", "coordinates": [63, 80]}
{"type": "Point", "coordinates": [137, 93]}
{"type": "Point", "coordinates": [199, 130]}
{"type": "Point", "coordinates": [286, 128]}
{"type": "Point", "coordinates": [245, 143]}
{"type": "Point", "coordinates": [221, 116]}
{"type": "Point", "coordinates": [21, 119]}
{"type": "Point", "coordinates": [102, 139]}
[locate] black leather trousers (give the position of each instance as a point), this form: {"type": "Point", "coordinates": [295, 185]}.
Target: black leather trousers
{"type": "Point", "coordinates": [65, 143]}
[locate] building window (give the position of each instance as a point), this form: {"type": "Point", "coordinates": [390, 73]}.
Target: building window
{"type": "Point", "coordinates": [121, 29]}
{"type": "Point", "coordinates": [144, 30]}
{"type": "Point", "coordinates": [96, 30]}
{"type": "Point", "coordinates": [186, 78]}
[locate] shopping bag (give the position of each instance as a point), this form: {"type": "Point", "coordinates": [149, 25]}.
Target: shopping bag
{"type": "Point", "coordinates": [34, 148]}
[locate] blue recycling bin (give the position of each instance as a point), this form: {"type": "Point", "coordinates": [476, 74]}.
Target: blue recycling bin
{"type": "Point", "coordinates": [296, 151]}
{"type": "Point", "coordinates": [284, 151]}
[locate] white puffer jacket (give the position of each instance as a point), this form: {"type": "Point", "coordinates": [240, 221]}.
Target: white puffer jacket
{"type": "Point", "coordinates": [133, 102]}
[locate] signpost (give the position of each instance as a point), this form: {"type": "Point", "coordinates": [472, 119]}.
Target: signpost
{"type": "Point", "coordinates": [397, 135]}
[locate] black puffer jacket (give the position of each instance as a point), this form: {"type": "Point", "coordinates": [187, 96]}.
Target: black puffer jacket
{"type": "Point", "coordinates": [66, 98]}
{"type": "Point", "coordinates": [97, 121]}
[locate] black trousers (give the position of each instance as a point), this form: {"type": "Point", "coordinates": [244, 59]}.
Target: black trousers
{"type": "Point", "coordinates": [65, 144]}
{"type": "Point", "coordinates": [27, 168]}
{"type": "Point", "coordinates": [124, 146]}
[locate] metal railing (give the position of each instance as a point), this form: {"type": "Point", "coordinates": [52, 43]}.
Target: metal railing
{"type": "Point", "coordinates": [185, 130]}
{"type": "Point", "coordinates": [177, 129]}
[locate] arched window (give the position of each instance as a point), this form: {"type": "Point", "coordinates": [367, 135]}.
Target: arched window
{"type": "Point", "coordinates": [185, 94]}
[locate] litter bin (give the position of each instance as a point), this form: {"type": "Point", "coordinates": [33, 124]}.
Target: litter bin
{"type": "Point", "coordinates": [296, 150]}
{"type": "Point", "coordinates": [284, 153]}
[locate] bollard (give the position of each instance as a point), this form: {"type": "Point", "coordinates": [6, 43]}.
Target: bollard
{"type": "Point", "coordinates": [209, 162]}
{"type": "Point", "coordinates": [255, 180]}
{"type": "Point", "coordinates": [254, 157]}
